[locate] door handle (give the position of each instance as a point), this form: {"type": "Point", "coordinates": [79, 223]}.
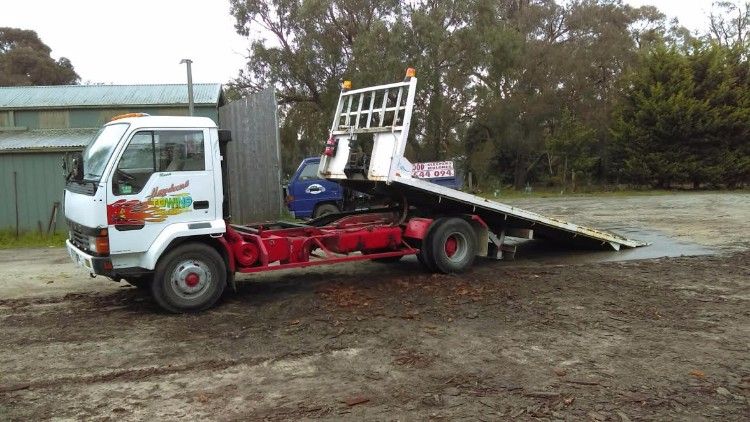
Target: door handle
{"type": "Point", "coordinates": [200, 205]}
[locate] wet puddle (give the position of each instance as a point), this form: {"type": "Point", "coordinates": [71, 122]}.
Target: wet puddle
{"type": "Point", "coordinates": [660, 246]}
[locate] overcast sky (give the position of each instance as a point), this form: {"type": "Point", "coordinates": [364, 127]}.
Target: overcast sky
{"type": "Point", "coordinates": [142, 41]}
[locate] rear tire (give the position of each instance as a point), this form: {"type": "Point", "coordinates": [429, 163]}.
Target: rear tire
{"type": "Point", "coordinates": [452, 245]}
{"type": "Point", "coordinates": [324, 209]}
{"type": "Point", "coordinates": [425, 251]}
{"type": "Point", "coordinates": [189, 278]}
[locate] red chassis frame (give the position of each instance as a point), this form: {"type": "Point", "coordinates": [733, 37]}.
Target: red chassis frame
{"type": "Point", "coordinates": [281, 246]}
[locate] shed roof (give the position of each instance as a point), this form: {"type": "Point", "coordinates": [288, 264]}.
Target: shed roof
{"type": "Point", "coordinates": [91, 96]}
{"type": "Point", "coordinates": [45, 139]}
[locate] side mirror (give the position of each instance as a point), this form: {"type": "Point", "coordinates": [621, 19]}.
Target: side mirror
{"type": "Point", "coordinates": [75, 172]}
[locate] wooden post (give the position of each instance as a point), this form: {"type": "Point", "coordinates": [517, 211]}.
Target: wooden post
{"type": "Point", "coordinates": [573, 180]}
{"type": "Point", "coordinates": [52, 224]}
{"type": "Point", "coordinates": [15, 193]}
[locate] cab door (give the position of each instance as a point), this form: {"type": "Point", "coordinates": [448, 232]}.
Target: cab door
{"type": "Point", "coordinates": [163, 177]}
{"type": "Point", "coordinates": [309, 190]}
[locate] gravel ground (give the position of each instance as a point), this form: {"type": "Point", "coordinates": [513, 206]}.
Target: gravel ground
{"type": "Point", "coordinates": [552, 335]}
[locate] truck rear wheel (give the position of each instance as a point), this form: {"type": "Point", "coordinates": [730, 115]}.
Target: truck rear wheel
{"type": "Point", "coordinates": [452, 245]}
{"type": "Point", "coordinates": [189, 278]}
{"type": "Point", "coordinates": [425, 248]}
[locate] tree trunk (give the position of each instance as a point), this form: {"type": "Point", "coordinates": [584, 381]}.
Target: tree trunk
{"type": "Point", "coordinates": [519, 174]}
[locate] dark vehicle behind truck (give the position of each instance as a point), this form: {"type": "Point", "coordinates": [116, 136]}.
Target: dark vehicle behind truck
{"type": "Point", "coordinates": [309, 196]}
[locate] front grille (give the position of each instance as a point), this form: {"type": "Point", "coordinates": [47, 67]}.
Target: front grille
{"type": "Point", "coordinates": [79, 235]}
{"type": "Point", "coordinates": [79, 239]}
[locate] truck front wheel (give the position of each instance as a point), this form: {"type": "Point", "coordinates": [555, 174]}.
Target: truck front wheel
{"type": "Point", "coordinates": [189, 278]}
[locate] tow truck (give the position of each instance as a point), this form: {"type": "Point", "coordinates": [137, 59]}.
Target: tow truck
{"type": "Point", "coordinates": [146, 202]}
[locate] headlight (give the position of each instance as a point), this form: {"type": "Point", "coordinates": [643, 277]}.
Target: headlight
{"type": "Point", "coordinates": [92, 243]}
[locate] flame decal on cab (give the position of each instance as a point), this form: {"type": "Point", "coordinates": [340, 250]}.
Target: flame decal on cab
{"type": "Point", "coordinates": [154, 209]}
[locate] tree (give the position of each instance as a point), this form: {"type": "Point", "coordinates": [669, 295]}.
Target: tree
{"type": "Point", "coordinates": [312, 45]}
{"type": "Point", "coordinates": [25, 60]}
{"type": "Point", "coordinates": [304, 49]}
{"type": "Point", "coordinates": [574, 146]}
{"type": "Point", "coordinates": [444, 48]}
{"type": "Point", "coordinates": [514, 87]}
{"type": "Point", "coordinates": [686, 117]}
{"type": "Point", "coordinates": [555, 56]}
{"type": "Point", "coordinates": [729, 23]}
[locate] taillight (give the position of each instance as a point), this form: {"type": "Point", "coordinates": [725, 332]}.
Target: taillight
{"type": "Point", "coordinates": [331, 144]}
{"type": "Point", "coordinates": [289, 199]}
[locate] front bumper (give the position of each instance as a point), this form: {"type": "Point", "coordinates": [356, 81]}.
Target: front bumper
{"type": "Point", "coordinates": [93, 264]}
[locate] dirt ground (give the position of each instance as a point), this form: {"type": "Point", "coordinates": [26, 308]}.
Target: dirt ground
{"type": "Point", "coordinates": [550, 336]}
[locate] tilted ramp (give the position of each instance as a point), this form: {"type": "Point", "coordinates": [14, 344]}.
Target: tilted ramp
{"type": "Point", "coordinates": [503, 220]}
{"type": "Point", "coordinates": [501, 217]}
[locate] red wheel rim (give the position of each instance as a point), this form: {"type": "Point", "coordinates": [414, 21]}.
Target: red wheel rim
{"type": "Point", "coordinates": [451, 246]}
{"type": "Point", "coordinates": [192, 279]}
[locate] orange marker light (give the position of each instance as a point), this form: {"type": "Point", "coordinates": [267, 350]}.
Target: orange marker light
{"type": "Point", "coordinates": [411, 72]}
{"type": "Point", "coordinates": [125, 116]}
{"type": "Point", "coordinates": [347, 85]}
{"type": "Point", "coordinates": [102, 245]}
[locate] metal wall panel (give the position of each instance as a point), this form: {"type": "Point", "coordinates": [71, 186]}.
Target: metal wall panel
{"type": "Point", "coordinates": [54, 119]}
{"type": "Point", "coordinates": [40, 184]}
{"type": "Point", "coordinates": [29, 119]}
{"type": "Point", "coordinates": [85, 118]}
{"type": "Point", "coordinates": [254, 157]}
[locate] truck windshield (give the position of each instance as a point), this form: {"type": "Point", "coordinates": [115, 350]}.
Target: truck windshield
{"type": "Point", "coordinates": [96, 155]}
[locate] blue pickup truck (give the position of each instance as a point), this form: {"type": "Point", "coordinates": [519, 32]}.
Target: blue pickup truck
{"type": "Point", "coordinates": [308, 196]}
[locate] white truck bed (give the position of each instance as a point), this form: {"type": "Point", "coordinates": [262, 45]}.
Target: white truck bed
{"type": "Point", "coordinates": [498, 215]}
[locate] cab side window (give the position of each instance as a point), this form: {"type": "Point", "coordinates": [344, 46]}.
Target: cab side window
{"type": "Point", "coordinates": [136, 165]}
{"type": "Point", "coordinates": [180, 150]}
{"type": "Point", "coordinates": [158, 151]}
{"type": "Point", "coordinates": [310, 172]}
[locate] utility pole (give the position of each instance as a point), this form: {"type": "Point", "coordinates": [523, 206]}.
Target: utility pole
{"type": "Point", "coordinates": [190, 83]}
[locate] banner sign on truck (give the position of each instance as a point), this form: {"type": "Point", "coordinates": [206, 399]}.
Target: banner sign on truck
{"type": "Point", "coordinates": [432, 170]}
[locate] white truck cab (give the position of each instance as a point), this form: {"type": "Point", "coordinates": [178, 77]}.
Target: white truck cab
{"type": "Point", "coordinates": [144, 182]}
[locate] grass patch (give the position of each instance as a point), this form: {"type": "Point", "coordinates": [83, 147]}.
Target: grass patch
{"type": "Point", "coordinates": [8, 240]}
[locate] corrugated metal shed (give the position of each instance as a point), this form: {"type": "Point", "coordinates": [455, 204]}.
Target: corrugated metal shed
{"type": "Point", "coordinates": [84, 96]}
{"type": "Point", "coordinates": [47, 139]}
{"type": "Point", "coordinates": [38, 179]}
